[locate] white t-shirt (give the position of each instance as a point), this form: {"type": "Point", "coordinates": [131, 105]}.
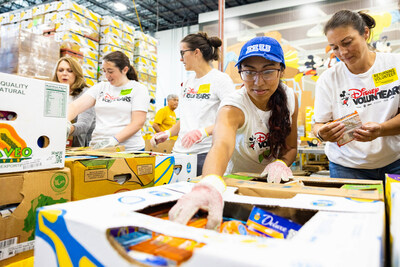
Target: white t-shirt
{"type": "Point", "coordinates": [375, 96]}
{"type": "Point", "coordinates": [199, 102]}
{"type": "Point", "coordinates": [114, 106]}
{"type": "Point", "coordinates": [252, 148]}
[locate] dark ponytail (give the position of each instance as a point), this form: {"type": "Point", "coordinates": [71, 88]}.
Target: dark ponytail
{"type": "Point", "coordinates": [279, 122]}
{"type": "Point", "coordinates": [358, 20]}
{"type": "Point", "coordinates": [131, 74]}
{"type": "Point", "coordinates": [207, 45]}
{"type": "Point", "coordinates": [121, 61]}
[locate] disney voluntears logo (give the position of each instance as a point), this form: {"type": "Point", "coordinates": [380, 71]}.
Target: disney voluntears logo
{"type": "Point", "coordinates": [202, 93]}
{"type": "Point", "coordinates": [260, 142]}
{"type": "Point", "coordinates": [362, 96]}
{"type": "Point", "coordinates": [106, 97]}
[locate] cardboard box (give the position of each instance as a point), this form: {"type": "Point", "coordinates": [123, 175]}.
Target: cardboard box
{"type": "Point", "coordinates": [165, 147]}
{"type": "Point", "coordinates": [35, 138]}
{"type": "Point", "coordinates": [94, 176]}
{"type": "Point", "coordinates": [249, 183]}
{"type": "Point", "coordinates": [172, 168]}
{"type": "Point", "coordinates": [28, 191]}
{"type": "Point", "coordinates": [394, 225]}
{"type": "Point", "coordinates": [337, 231]}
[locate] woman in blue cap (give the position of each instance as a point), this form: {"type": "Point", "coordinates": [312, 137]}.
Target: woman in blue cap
{"type": "Point", "coordinates": [255, 131]}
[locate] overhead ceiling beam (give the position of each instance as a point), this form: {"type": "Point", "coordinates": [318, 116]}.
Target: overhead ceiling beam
{"type": "Point", "coordinates": [170, 10]}
{"type": "Point", "coordinates": [150, 9]}
{"type": "Point", "coordinates": [254, 8]}
{"type": "Point", "coordinates": [205, 3]}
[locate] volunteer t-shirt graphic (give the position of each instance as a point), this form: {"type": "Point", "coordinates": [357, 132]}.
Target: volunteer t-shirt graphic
{"type": "Point", "coordinates": [362, 96]}
{"type": "Point", "coordinates": [106, 97]}
{"type": "Point", "coordinates": [202, 93]}
{"type": "Point", "coordinates": [260, 142]}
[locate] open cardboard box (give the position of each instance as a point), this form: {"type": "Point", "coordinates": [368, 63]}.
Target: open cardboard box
{"type": "Point", "coordinates": [96, 173]}
{"type": "Point", "coordinates": [253, 184]}
{"type": "Point", "coordinates": [27, 191]}
{"type": "Point", "coordinates": [337, 231]}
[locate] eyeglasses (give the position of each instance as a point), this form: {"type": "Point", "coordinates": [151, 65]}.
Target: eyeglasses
{"type": "Point", "coordinates": [183, 51]}
{"type": "Point", "coordinates": [250, 75]}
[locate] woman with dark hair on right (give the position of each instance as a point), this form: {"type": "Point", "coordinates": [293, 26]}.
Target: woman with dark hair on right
{"type": "Point", "coordinates": [121, 105]}
{"type": "Point", "coordinates": [255, 131]}
{"type": "Point", "coordinates": [199, 99]}
{"type": "Point", "coordinates": [364, 81]}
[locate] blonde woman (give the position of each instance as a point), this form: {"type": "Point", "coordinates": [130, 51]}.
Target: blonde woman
{"type": "Point", "coordinates": [68, 71]}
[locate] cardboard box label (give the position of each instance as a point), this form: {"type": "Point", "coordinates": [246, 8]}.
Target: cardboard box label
{"type": "Point", "coordinates": [95, 175]}
{"type": "Point", "coordinates": [145, 169]}
{"type": "Point", "coordinates": [55, 100]}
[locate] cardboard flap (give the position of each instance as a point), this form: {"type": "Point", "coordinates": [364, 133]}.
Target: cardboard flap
{"type": "Point", "coordinates": [261, 189]}
{"type": "Point", "coordinates": [88, 151]}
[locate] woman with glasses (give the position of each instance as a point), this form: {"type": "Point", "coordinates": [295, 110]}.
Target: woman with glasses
{"type": "Point", "coordinates": [255, 131]}
{"type": "Point", "coordinates": [200, 97]}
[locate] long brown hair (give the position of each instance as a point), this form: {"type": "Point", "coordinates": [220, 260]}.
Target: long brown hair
{"type": "Point", "coordinates": [207, 45]}
{"type": "Point", "coordinates": [279, 123]}
{"type": "Point", "coordinates": [79, 83]}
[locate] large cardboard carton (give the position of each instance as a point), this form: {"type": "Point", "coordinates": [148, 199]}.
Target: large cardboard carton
{"type": "Point", "coordinates": [32, 137]}
{"type": "Point", "coordinates": [337, 231]}
{"type": "Point", "coordinates": [28, 191]}
{"type": "Point", "coordinates": [94, 176]}
{"type": "Point", "coordinates": [172, 168]}
{"type": "Point", "coordinates": [395, 224]}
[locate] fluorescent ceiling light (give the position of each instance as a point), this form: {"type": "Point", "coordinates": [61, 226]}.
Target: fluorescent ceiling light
{"type": "Point", "coordinates": [308, 11]}
{"type": "Point", "coordinates": [250, 24]}
{"type": "Point", "coordinates": [119, 6]}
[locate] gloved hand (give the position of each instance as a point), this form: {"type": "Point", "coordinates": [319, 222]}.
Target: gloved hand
{"type": "Point", "coordinates": [194, 137]}
{"type": "Point", "coordinates": [277, 171]}
{"type": "Point", "coordinates": [109, 142]}
{"type": "Point", "coordinates": [160, 137]}
{"type": "Point", "coordinates": [69, 126]}
{"type": "Point", "coordinates": [205, 195]}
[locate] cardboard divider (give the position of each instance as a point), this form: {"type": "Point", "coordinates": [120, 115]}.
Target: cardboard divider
{"type": "Point", "coordinates": [250, 184]}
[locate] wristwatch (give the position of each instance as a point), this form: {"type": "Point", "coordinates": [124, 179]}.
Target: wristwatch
{"type": "Point", "coordinates": [319, 137]}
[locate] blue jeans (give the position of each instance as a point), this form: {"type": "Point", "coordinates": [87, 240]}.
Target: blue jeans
{"type": "Point", "coordinates": [339, 171]}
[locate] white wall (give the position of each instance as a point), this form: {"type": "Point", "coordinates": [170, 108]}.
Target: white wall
{"type": "Point", "coordinates": [170, 70]}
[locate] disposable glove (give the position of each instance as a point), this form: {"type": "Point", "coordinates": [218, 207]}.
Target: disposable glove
{"type": "Point", "coordinates": [277, 171]}
{"type": "Point", "coordinates": [160, 137]}
{"type": "Point", "coordinates": [109, 142]}
{"type": "Point", "coordinates": [194, 137]}
{"type": "Point", "coordinates": [69, 126]}
{"type": "Point", "coordinates": [205, 195]}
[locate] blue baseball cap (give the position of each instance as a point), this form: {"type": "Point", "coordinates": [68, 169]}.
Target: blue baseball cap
{"type": "Point", "coordinates": [262, 46]}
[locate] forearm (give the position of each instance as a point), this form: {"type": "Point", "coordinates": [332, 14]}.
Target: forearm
{"type": "Point", "coordinates": [210, 129]}
{"type": "Point", "coordinates": [316, 128]}
{"type": "Point", "coordinates": [84, 122]}
{"type": "Point", "coordinates": [129, 131]}
{"type": "Point", "coordinates": [217, 159]}
{"type": "Point", "coordinates": [137, 122]}
{"type": "Point", "coordinates": [156, 127]}
{"type": "Point", "coordinates": [174, 130]}
{"type": "Point", "coordinates": [290, 156]}
{"type": "Point", "coordinates": [391, 127]}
